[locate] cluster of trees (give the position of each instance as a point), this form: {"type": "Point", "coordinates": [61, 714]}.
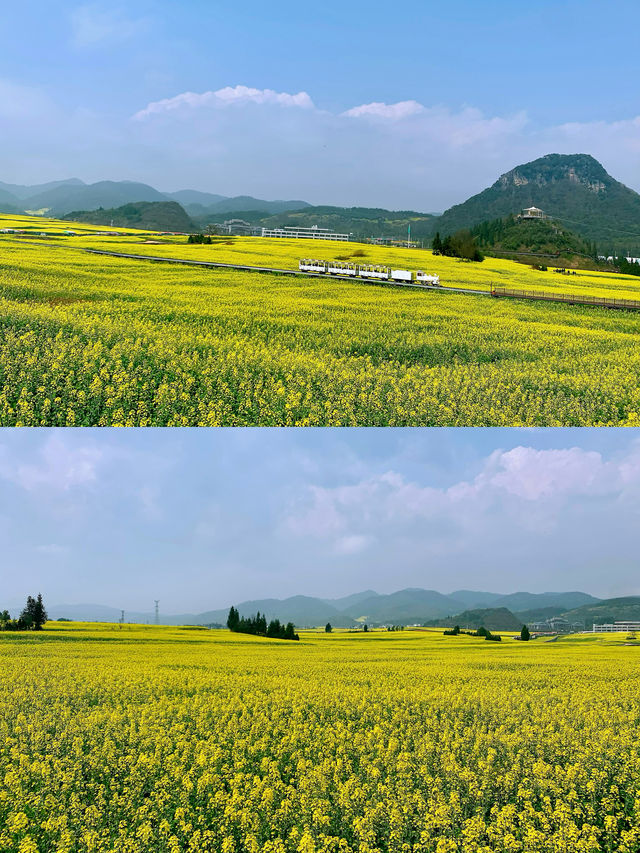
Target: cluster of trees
{"type": "Point", "coordinates": [484, 632]}
{"type": "Point", "coordinates": [258, 625]}
{"type": "Point", "coordinates": [462, 244]}
{"type": "Point", "coordinates": [627, 267]}
{"type": "Point", "coordinates": [512, 234]}
{"type": "Point", "coordinates": [199, 238]}
{"type": "Point", "coordinates": [32, 618]}
{"type": "Point", "coordinates": [481, 632]}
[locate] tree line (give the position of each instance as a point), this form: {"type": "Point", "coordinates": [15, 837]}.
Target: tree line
{"type": "Point", "coordinates": [258, 625]}
{"type": "Point", "coordinates": [462, 244]}
{"type": "Point", "coordinates": [525, 634]}
{"type": "Point", "coordinates": [32, 618]}
{"type": "Point", "coordinates": [481, 632]}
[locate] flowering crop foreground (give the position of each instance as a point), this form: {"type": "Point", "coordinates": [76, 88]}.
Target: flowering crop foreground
{"type": "Point", "coordinates": [143, 739]}
{"type": "Point", "coordinates": [87, 340]}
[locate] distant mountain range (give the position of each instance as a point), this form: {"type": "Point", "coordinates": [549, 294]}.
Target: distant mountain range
{"type": "Point", "coordinates": [575, 190]}
{"type": "Point", "coordinates": [62, 197]}
{"type": "Point", "coordinates": [405, 607]}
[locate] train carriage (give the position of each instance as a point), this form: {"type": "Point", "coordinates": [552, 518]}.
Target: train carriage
{"type": "Point", "coordinates": [310, 265]}
{"type": "Point", "coordinates": [368, 271]}
{"type": "Point", "coordinates": [373, 271]}
{"type": "Point", "coordinates": [340, 268]}
{"type": "Point", "coordinates": [401, 275]}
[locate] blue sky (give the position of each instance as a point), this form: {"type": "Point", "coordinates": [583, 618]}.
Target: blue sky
{"type": "Point", "coordinates": [202, 518]}
{"type": "Point", "coordinates": [352, 103]}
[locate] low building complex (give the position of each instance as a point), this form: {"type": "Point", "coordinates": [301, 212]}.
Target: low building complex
{"type": "Point", "coordinates": [313, 233]}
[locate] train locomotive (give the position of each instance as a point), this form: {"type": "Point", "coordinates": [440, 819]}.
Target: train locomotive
{"type": "Point", "coordinates": [368, 271]}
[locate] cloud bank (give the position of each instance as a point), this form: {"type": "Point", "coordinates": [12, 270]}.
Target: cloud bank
{"type": "Point", "coordinates": [203, 520]}
{"type": "Point", "coordinates": [240, 139]}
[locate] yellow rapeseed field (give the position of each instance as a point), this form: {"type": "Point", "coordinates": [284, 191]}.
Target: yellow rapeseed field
{"type": "Point", "coordinates": [140, 739]}
{"type": "Point", "coordinates": [87, 340]}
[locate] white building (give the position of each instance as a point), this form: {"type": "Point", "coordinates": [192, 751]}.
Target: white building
{"type": "Point", "coordinates": [532, 213]}
{"type": "Point", "coordinates": [616, 626]}
{"type": "Point", "coordinates": [313, 233]}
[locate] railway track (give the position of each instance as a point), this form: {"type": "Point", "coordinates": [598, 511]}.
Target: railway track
{"type": "Point", "coordinates": [495, 292]}
{"type": "Point", "coordinates": [279, 271]}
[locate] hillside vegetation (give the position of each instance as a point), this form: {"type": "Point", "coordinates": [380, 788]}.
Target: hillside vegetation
{"type": "Point", "coordinates": [574, 189]}
{"type": "Point", "coordinates": [361, 222]}
{"type": "Point", "coordinates": [609, 610]}
{"type": "Point", "coordinates": [151, 215]}
{"type": "Point", "coordinates": [512, 234]}
{"type": "Point", "coordinates": [493, 618]}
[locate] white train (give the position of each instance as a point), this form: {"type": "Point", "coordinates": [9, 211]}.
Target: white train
{"type": "Point", "coordinates": [368, 271]}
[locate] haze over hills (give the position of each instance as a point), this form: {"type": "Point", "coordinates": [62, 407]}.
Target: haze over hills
{"type": "Point", "coordinates": [407, 606]}
{"type": "Point", "coordinates": [493, 618]}
{"type": "Point", "coordinates": [58, 198]}
{"type": "Point", "coordinates": [573, 189]}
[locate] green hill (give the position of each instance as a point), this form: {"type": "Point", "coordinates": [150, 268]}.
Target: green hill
{"type": "Point", "coordinates": [574, 189]}
{"type": "Point", "coordinates": [539, 614]}
{"type": "Point", "coordinates": [512, 234]}
{"type": "Point", "coordinates": [151, 215]}
{"type": "Point", "coordinates": [405, 607]}
{"type": "Point", "coordinates": [609, 610]}
{"type": "Point", "coordinates": [493, 618]}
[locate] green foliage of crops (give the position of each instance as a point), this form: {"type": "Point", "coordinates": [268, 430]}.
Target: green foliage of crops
{"type": "Point", "coordinates": [92, 340]}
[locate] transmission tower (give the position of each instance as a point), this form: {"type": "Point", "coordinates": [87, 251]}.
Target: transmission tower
{"type": "Point", "coordinates": [157, 601]}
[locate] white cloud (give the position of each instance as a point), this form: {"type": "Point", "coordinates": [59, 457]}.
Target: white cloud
{"type": "Point", "coordinates": [522, 487]}
{"type": "Point", "coordinates": [93, 23]}
{"type": "Point", "coordinates": [257, 141]}
{"type": "Point", "coordinates": [57, 466]}
{"type": "Point", "coordinates": [227, 96]}
{"type": "Point", "coordinates": [534, 474]}
{"type": "Point", "coordinates": [393, 112]}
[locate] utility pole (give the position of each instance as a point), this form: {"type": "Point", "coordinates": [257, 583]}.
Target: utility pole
{"type": "Point", "coordinates": [157, 601]}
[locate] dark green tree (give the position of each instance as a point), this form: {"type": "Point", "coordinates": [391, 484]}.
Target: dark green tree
{"type": "Point", "coordinates": [524, 633]}
{"type": "Point", "coordinates": [365, 627]}
{"type": "Point", "coordinates": [39, 614]}
{"type": "Point", "coordinates": [25, 619]}
{"type": "Point", "coordinates": [436, 244]}
{"type": "Point", "coordinates": [275, 629]}
{"type": "Point", "coordinates": [233, 619]}
{"type": "Point", "coordinates": [327, 628]}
